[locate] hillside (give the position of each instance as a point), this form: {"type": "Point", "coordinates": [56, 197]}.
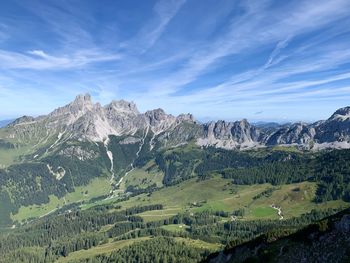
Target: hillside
{"type": "Point", "coordinates": [324, 241]}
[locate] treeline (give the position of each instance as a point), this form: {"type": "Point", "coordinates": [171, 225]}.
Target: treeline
{"type": "Point", "coordinates": [237, 232]}
{"type": "Point", "coordinates": [59, 235]}
{"type": "Point", "coordinates": [62, 234]}
{"type": "Point", "coordinates": [157, 250]}
{"type": "Point", "coordinates": [27, 184]}
{"type": "Point", "coordinates": [182, 163]}
{"type": "Point", "coordinates": [275, 173]}
{"type": "Point", "coordinates": [178, 165]}
{"type": "Point", "coordinates": [330, 169]}
{"type": "Point", "coordinates": [6, 145]}
{"type": "Point", "coordinates": [123, 154]}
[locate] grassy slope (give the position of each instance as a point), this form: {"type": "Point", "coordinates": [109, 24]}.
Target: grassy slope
{"type": "Point", "coordinates": [101, 249]}
{"type": "Point", "coordinates": [215, 194]}
{"type": "Point", "coordinates": [141, 178]}
{"type": "Point", "coordinates": [96, 187]}
{"type": "Point", "coordinates": [219, 194]}
{"type": "Point", "coordinates": [113, 246]}
{"type": "Point", "coordinates": [23, 147]}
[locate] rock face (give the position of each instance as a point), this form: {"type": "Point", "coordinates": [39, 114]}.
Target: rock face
{"type": "Point", "coordinates": [84, 120]}
{"type": "Point", "coordinates": [298, 133]}
{"type": "Point", "coordinates": [336, 128]}
{"type": "Point", "coordinates": [239, 134]}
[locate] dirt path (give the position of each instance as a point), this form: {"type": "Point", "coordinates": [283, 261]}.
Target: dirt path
{"type": "Point", "coordinates": [279, 211]}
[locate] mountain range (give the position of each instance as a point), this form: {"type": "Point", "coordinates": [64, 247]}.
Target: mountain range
{"type": "Point", "coordinates": [84, 120]}
{"type": "Point", "coordinates": [4, 123]}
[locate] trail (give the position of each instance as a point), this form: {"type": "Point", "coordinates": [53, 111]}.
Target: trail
{"type": "Point", "coordinates": [131, 164]}
{"type": "Point", "coordinates": [50, 212]}
{"type": "Point", "coordinates": [279, 211]}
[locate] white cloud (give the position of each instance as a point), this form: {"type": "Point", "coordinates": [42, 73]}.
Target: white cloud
{"type": "Point", "coordinates": [259, 26]}
{"type": "Point", "coordinates": [39, 60]}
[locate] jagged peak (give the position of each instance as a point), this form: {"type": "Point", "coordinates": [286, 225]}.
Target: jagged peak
{"type": "Point", "coordinates": [186, 117]}
{"type": "Point", "coordinates": [83, 97]}
{"type": "Point", "coordinates": [157, 114]}
{"type": "Point", "coordinates": [156, 111]}
{"type": "Point", "coordinates": [122, 106]}
{"type": "Point", "coordinates": [82, 100]}
{"type": "Point", "coordinates": [78, 106]}
{"type": "Point", "coordinates": [244, 122]}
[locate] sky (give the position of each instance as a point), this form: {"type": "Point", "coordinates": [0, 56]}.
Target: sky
{"type": "Point", "coordinates": [261, 60]}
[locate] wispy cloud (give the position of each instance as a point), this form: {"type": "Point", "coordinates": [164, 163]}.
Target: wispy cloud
{"type": "Point", "coordinates": [39, 60]}
{"type": "Point", "coordinates": [253, 30]}
{"type": "Point", "coordinates": [164, 11]}
{"type": "Point", "coordinates": [236, 58]}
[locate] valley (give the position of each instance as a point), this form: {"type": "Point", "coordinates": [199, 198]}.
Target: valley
{"type": "Point", "coordinates": [131, 182]}
{"type": "Point", "coordinates": [174, 131]}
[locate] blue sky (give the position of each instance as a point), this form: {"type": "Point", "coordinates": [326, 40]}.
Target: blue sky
{"type": "Point", "coordinates": [261, 60]}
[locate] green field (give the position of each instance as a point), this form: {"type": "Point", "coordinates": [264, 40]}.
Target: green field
{"type": "Point", "coordinates": [101, 249]}
{"type": "Point", "coordinates": [214, 194]}
{"type": "Point", "coordinates": [11, 156]}
{"type": "Point", "coordinates": [113, 246]}
{"type": "Point", "coordinates": [200, 244]}
{"type": "Point", "coordinates": [22, 148]}
{"type": "Point", "coordinates": [97, 187]}
{"type": "Point", "coordinates": [218, 194]}
{"type": "Point", "coordinates": [262, 212]}
{"type": "Point", "coordinates": [175, 228]}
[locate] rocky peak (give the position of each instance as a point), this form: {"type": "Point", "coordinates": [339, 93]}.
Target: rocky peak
{"type": "Point", "coordinates": [186, 117]}
{"type": "Point", "coordinates": [83, 99]}
{"type": "Point", "coordinates": [83, 119]}
{"type": "Point", "coordinates": [341, 114]}
{"type": "Point", "coordinates": [81, 103]}
{"type": "Point", "coordinates": [75, 109]}
{"type": "Point", "coordinates": [122, 107]}
{"type": "Point", "coordinates": [156, 116]}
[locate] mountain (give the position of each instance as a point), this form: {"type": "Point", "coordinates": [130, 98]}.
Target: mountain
{"type": "Point", "coordinates": [84, 120]}
{"type": "Point", "coordinates": [3, 123]}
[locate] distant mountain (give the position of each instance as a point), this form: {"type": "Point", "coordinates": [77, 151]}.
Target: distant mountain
{"type": "Point", "coordinates": [3, 123]}
{"type": "Point", "coordinates": [267, 125]}
{"type": "Point", "coordinates": [84, 120]}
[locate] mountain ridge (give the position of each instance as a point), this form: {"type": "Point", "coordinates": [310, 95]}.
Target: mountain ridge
{"type": "Point", "coordinates": [84, 120]}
